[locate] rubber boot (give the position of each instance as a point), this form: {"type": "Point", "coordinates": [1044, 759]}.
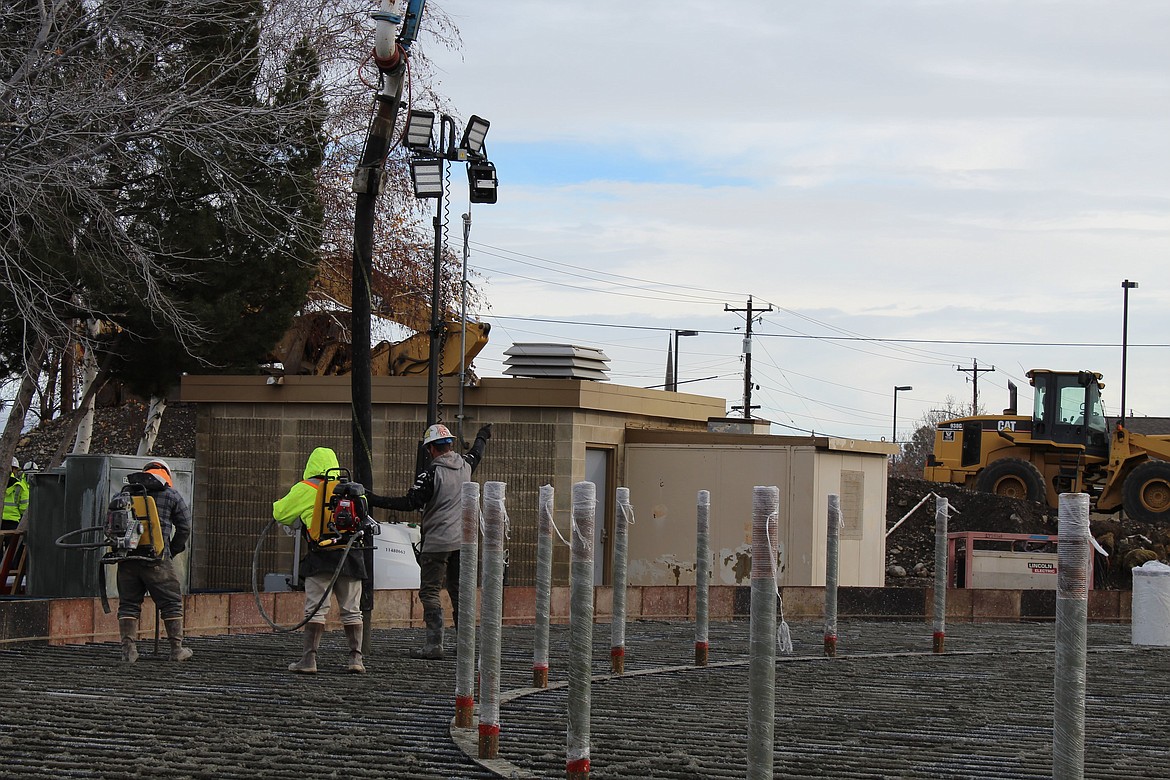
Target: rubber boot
{"type": "Point", "coordinates": [433, 648]}
{"type": "Point", "coordinates": [129, 631]}
{"type": "Point", "coordinates": [175, 635]}
{"type": "Point", "coordinates": [353, 633]}
{"type": "Point", "coordinates": [308, 662]}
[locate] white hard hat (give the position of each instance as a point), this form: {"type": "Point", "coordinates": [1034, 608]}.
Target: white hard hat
{"type": "Point", "coordinates": [15, 463]}
{"type": "Point", "coordinates": [159, 462]}
{"type": "Point", "coordinates": [437, 433]}
{"type": "Point", "coordinates": [30, 466]}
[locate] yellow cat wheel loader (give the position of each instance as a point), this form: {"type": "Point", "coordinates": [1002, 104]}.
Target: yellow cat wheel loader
{"type": "Point", "coordinates": [1065, 446]}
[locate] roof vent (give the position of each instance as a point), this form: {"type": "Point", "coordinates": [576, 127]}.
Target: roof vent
{"type": "Point", "coordinates": [556, 361]}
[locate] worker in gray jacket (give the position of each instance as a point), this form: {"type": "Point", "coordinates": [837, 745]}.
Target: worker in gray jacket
{"type": "Point", "coordinates": [437, 490]}
{"type": "Point", "coordinates": [140, 574]}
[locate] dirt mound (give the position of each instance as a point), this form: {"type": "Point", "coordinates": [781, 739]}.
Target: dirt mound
{"type": "Point", "coordinates": [910, 548]}
{"type": "Point", "coordinates": [117, 430]}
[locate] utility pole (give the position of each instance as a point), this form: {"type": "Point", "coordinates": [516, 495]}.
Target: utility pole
{"type": "Point", "coordinates": [974, 371]}
{"type": "Point", "coordinates": [747, 356]}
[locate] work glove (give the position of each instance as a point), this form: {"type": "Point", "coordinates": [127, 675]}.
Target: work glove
{"type": "Point", "coordinates": [288, 529]}
{"type": "Point", "coordinates": [485, 432]}
{"type": "Point", "coordinates": [177, 547]}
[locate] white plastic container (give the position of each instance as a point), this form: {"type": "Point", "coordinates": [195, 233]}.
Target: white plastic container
{"type": "Point", "coordinates": [1150, 621]}
{"type": "Point", "coordinates": [395, 566]}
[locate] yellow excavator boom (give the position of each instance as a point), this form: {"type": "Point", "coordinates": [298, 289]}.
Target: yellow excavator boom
{"type": "Point", "coordinates": [411, 356]}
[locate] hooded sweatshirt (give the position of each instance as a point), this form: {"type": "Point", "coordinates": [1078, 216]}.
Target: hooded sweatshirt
{"type": "Point", "coordinates": [297, 505]}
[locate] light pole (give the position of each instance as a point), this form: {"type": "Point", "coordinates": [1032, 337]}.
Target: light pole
{"type": "Point", "coordinates": [428, 173]}
{"type": "Point", "coordinates": [674, 361]}
{"type": "Point", "coordinates": [897, 389]}
{"type": "Point", "coordinates": [1126, 286]}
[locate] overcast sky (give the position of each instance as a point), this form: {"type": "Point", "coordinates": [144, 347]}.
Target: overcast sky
{"type": "Point", "coordinates": [910, 185]}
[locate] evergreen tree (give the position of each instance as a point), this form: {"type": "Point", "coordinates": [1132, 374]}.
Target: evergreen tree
{"type": "Point", "coordinates": [237, 226]}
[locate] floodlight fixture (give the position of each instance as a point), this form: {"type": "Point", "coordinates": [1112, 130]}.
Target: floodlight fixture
{"type": "Point", "coordinates": [482, 182]}
{"type": "Point", "coordinates": [426, 174]}
{"type": "Point", "coordinates": [419, 128]}
{"type": "Point", "coordinates": [473, 136]}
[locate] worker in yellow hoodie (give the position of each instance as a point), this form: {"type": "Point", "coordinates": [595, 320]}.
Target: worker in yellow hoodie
{"type": "Point", "coordinates": [15, 498]}
{"type": "Point", "coordinates": [295, 510]}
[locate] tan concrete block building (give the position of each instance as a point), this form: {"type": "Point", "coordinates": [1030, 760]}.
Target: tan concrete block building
{"type": "Point", "coordinates": [253, 438]}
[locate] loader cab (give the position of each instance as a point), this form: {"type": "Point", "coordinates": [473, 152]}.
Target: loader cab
{"type": "Point", "coordinates": [1067, 409]}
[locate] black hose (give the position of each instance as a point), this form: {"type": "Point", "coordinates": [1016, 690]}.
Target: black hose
{"type": "Point", "coordinates": [82, 545]}
{"type": "Point", "coordinates": [324, 597]}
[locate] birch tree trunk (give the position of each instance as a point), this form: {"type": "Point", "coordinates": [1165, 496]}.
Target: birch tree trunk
{"type": "Point", "coordinates": [20, 405]}
{"type": "Point", "coordinates": [154, 415]}
{"type": "Point", "coordinates": [85, 424]}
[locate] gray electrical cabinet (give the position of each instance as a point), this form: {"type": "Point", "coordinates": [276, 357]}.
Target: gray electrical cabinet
{"type": "Point", "coordinates": [76, 496]}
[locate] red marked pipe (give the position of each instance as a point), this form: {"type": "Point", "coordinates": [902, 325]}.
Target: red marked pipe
{"type": "Point", "coordinates": [577, 770]}
{"type": "Point", "coordinates": [489, 740]}
{"type": "Point", "coordinates": [617, 655]}
{"type": "Point", "coordinates": [464, 711]}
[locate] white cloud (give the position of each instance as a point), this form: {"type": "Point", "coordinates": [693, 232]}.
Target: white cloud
{"type": "Point", "coordinates": [952, 172]}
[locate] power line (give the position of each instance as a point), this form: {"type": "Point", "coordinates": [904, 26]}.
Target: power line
{"type": "Point", "coordinates": [814, 337]}
{"type": "Point", "coordinates": [593, 272]}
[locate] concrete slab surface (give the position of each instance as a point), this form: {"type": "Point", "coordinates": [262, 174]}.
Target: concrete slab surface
{"type": "Point", "coordinates": [885, 707]}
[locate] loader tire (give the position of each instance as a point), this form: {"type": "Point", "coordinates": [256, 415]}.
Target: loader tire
{"type": "Point", "coordinates": [1146, 493]}
{"type": "Point", "coordinates": [1012, 478]}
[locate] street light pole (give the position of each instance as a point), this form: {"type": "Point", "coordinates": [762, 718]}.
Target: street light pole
{"type": "Point", "coordinates": [446, 148]}
{"type": "Point", "coordinates": [428, 171]}
{"type": "Point", "coordinates": [1126, 286]}
{"type": "Point", "coordinates": [674, 358]}
{"type": "Point", "coordinates": [894, 432]}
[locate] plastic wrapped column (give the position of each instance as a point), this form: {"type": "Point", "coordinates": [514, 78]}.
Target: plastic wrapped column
{"type": "Point", "coordinates": [1072, 609]}
{"type": "Point", "coordinates": [702, 575]}
{"type": "Point", "coordinates": [491, 619]}
{"type": "Point", "coordinates": [832, 569]}
{"type": "Point", "coordinates": [942, 509]}
{"type": "Point", "coordinates": [621, 547]}
{"type": "Point", "coordinates": [762, 634]}
{"type": "Point", "coordinates": [580, 629]}
{"type": "Point", "coordinates": [544, 556]}
{"type": "Point", "coordinates": [1150, 624]}
{"type": "Point", "coordinates": [468, 586]}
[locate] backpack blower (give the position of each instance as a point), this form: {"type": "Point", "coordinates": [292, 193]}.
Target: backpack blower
{"type": "Point", "coordinates": [131, 529]}
{"type": "Point", "coordinates": [339, 520]}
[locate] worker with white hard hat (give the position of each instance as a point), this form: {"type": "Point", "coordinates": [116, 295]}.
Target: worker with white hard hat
{"type": "Point", "coordinates": [139, 575]}
{"type": "Point", "coordinates": [15, 498]}
{"type": "Point", "coordinates": [437, 491]}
